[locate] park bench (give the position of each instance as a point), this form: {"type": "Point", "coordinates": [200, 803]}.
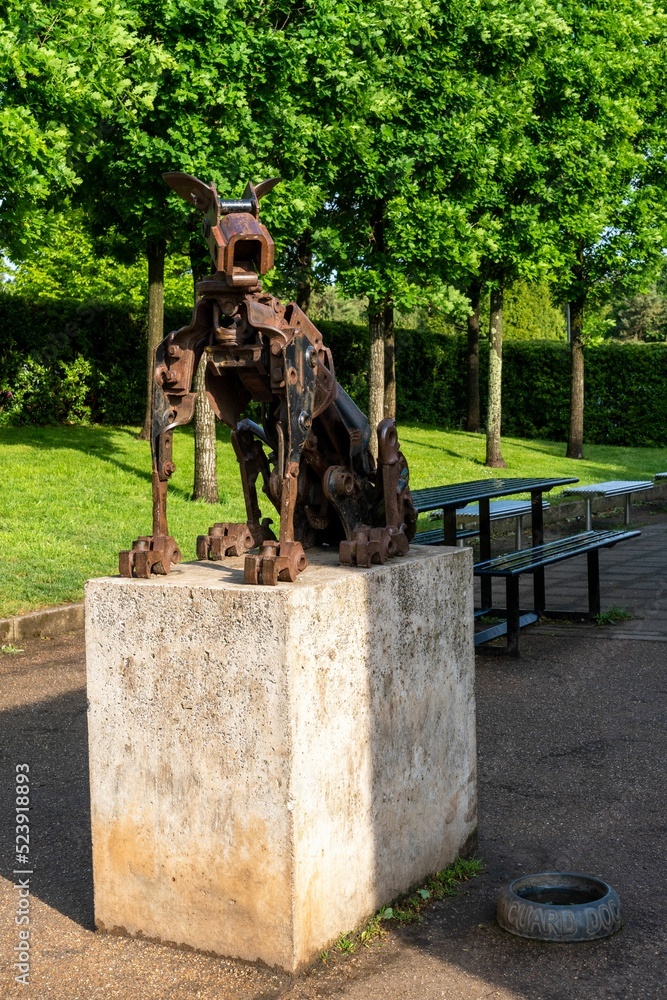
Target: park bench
{"type": "Point", "coordinates": [533, 560]}
{"type": "Point", "coordinates": [499, 510]}
{"type": "Point", "coordinates": [456, 496]}
{"type": "Point", "coordinates": [613, 488]}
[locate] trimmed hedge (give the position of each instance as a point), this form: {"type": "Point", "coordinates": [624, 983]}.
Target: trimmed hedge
{"type": "Point", "coordinates": [625, 385]}
{"type": "Point", "coordinates": [625, 392]}
{"type": "Point", "coordinates": [73, 363]}
{"type": "Point", "coordinates": [67, 362]}
{"type": "Point", "coordinates": [431, 385]}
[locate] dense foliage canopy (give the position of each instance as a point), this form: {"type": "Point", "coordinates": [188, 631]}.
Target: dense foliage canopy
{"type": "Point", "coordinates": [425, 148]}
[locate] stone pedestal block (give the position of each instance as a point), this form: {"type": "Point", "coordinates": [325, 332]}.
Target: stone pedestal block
{"type": "Point", "coordinates": [269, 766]}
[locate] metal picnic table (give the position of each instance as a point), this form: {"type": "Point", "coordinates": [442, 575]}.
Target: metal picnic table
{"type": "Point", "coordinates": [612, 488]}
{"type": "Point", "coordinates": [482, 491]}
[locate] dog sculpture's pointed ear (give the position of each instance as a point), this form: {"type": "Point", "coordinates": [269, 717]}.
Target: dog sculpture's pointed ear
{"type": "Point", "coordinates": [265, 186]}
{"type": "Point", "coordinates": [254, 192]}
{"type": "Point", "coordinates": [191, 189]}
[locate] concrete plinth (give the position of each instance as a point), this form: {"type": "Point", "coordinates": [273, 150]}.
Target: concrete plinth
{"type": "Point", "coordinates": [269, 766]}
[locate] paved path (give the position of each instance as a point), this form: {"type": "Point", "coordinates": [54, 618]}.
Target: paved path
{"type": "Point", "coordinates": [572, 740]}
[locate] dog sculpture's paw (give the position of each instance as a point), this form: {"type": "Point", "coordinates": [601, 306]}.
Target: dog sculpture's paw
{"type": "Point", "coordinates": [373, 545]}
{"type": "Point", "coordinates": [275, 562]}
{"type": "Point", "coordinates": [225, 539]}
{"type": "Point", "coordinates": [149, 554]}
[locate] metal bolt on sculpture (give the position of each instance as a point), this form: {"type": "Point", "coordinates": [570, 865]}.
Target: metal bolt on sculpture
{"type": "Point", "coordinates": [319, 474]}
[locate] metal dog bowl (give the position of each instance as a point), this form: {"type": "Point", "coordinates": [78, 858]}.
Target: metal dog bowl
{"type": "Point", "coordinates": [559, 906]}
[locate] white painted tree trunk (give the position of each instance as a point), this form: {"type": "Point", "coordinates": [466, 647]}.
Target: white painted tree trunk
{"type": "Point", "coordinates": [494, 458]}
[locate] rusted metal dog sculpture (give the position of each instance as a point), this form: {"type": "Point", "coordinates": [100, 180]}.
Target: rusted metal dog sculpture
{"type": "Point", "coordinates": [319, 473]}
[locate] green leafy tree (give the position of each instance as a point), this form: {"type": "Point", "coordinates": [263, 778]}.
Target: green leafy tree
{"type": "Point", "coordinates": [62, 66]}
{"type": "Point", "coordinates": [571, 177]}
{"type": "Point", "coordinates": [599, 125]}
{"type": "Point", "coordinates": [449, 170]}
{"type": "Point", "coordinates": [197, 112]}
{"type": "Point", "coordinates": [385, 222]}
{"type": "Point", "coordinates": [498, 180]}
{"type": "Point", "coordinates": [68, 265]}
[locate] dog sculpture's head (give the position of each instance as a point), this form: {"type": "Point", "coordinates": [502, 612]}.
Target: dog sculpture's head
{"type": "Point", "coordinates": [241, 247]}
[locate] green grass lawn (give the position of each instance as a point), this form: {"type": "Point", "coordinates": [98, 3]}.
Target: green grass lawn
{"type": "Point", "coordinates": [72, 497]}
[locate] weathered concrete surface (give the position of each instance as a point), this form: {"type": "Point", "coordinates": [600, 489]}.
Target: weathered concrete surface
{"type": "Point", "coordinates": [269, 766]}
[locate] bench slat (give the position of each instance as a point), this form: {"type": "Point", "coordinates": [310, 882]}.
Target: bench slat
{"type": "Point", "coordinates": [436, 536]}
{"type": "Point", "coordinates": [500, 510]}
{"type": "Point", "coordinates": [525, 560]}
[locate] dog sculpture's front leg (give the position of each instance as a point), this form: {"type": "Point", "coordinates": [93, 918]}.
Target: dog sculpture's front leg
{"type": "Point", "coordinates": [173, 405]}
{"type": "Point", "coordinates": [285, 559]}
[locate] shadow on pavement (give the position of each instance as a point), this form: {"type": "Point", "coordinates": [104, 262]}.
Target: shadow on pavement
{"type": "Point", "coordinates": [51, 737]}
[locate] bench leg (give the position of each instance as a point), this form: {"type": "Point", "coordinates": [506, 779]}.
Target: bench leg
{"type": "Point", "coordinates": [537, 519]}
{"type": "Point", "coordinates": [519, 533]}
{"type": "Point", "coordinates": [449, 526]}
{"type": "Point", "coordinates": [627, 508]}
{"type": "Point", "coordinates": [513, 615]}
{"type": "Point", "coordinates": [486, 583]}
{"type": "Point", "coordinates": [593, 582]}
{"type": "Point", "coordinates": [589, 514]}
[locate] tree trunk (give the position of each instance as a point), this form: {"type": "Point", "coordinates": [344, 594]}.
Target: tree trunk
{"type": "Point", "coordinates": [205, 485]}
{"type": "Point", "coordinates": [304, 271]}
{"type": "Point", "coordinates": [206, 460]}
{"type": "Point", "coordinates": [376, 373]}
{"type": "Point", "coordinates": [389, 362]}
{"type": "Point", "coordinates": [575, 441]}
{"type": "Point", "coordinates": [155, 254]}
{"type": "Point", "coordinates": [376, 312]}
{"type": "Point", "coordinates": [473, 418]}
{"type": "Point", "coordinates": [494, 459]}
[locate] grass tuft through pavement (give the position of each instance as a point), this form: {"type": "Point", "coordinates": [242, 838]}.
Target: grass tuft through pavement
{"type": "Point", "coordinates": [407, 909]}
